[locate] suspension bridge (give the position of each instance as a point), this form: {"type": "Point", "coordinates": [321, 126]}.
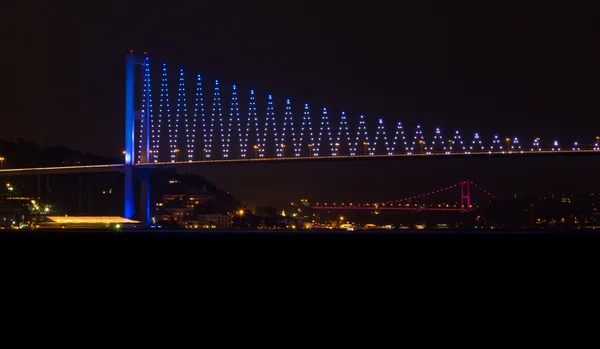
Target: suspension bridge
{"type": "Point", "coordinates": [403, 204]}
{"type": "Point", "coordinates": [168, 129]}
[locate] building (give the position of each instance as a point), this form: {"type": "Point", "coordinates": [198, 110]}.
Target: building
{"type": "Point", "coordinates": [215, 221]}
{"type": "Point", "coordinates": [180, 207]}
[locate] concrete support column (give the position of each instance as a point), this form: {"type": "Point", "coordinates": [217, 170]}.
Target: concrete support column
{"type": "Point", "coordinates": [129, 202]}
{"type": "Point", "coordinates": [145, 197]}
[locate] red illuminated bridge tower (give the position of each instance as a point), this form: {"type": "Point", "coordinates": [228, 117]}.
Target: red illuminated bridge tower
{"type": "Point", "coordinates": [465, 194]}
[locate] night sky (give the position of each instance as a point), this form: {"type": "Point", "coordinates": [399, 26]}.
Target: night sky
{"type": "Point", "coordinates": [512, 68]}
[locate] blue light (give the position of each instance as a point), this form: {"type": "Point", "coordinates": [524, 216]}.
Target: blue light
{"type": "Point", "coordinates": [324, 128]}
{"type": "Point", "coordinates": [144, 102]}
{"type": "Point", "coordinates": [198, 110]}
{"type": "Point", "coordinates": [183, 111]}
{"type": "Point", "coordinates": [399, 136]}
{"type": "Point", "coordinates": [290, 120]}
{"type": "Point", "coordinates": [344, 127]}
{"type": "Point", "coordinates": [253, 116]}
{"type": "Point", "coordinates": [155, 131]}
{"type": "Point", "coordinates": [268, 117]}
{"type": "Point", "coordinates": [180, 111]}
{"type": "Point", "coordinates": [307, 126]}
{"type": "Point", "coordinates": [166, 108]}
{"type": "Point", "coordinates": [381, 132]}
{"type": "Point", "coordinates": [216, 113]}
{"type": "Point", "coordinates": [362, 127]}
{"type": "Point", "coordinates": [235, 114]}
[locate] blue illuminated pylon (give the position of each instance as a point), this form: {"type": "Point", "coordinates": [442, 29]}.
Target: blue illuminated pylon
{"type": "Point", "coordinates": [129, 151]}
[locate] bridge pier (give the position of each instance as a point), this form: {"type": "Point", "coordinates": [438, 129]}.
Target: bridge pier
{"type": "Point", "coordinates": [132, 177]}
{"type": "Point", "coordinates": [129, 191]}
{"type": "Point", "coordinates": [144, 179]}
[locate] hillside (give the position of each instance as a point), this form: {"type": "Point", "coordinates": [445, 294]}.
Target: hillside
{"type": "Point", "coordinates": [94, 193]}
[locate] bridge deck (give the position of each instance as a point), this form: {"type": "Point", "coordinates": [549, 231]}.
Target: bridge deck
{"type": "Point", "coordinates": [120, 167]}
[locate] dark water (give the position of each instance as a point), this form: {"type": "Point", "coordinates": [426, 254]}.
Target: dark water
{"type": "Point", "coordinates": [291, 290]}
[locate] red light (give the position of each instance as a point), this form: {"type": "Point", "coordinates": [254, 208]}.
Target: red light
{"type": "Point", "coordinates": [145, 52]}
{"type": "Point", "coordinates": [130, 51]}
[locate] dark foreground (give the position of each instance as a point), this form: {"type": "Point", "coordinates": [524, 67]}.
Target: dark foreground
{"type": "Point", "coordinates": [293, 290]}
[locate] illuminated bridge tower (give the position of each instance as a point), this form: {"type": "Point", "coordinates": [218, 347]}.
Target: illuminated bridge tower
{"type": "Point", "coordinates": [136, 67]}
{"type": "Point", "coordinates": [465, 194]}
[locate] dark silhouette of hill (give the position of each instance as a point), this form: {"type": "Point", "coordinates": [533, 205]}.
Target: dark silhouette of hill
{"type": "Point", "coordinates": [28, 154]}
{"type": "Point", "coordinates": [95, 193]}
